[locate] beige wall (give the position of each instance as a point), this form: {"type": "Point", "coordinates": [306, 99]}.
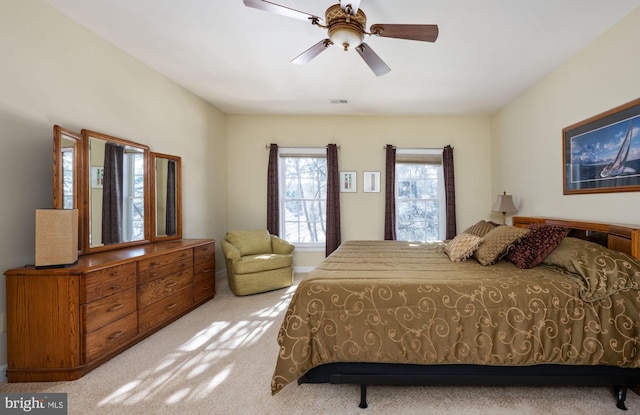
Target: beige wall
{"type": "Point", "coordinates": [54, 71]}
{"type": "Point", "coordinates": [361, 141]}
{"type": "Point", "coordinates": [527, 133]}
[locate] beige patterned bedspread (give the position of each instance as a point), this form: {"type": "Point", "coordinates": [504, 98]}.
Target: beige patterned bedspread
{"type": "Point", "coordinates": [402, 302]}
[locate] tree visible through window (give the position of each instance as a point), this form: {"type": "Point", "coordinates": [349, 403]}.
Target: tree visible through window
{"type": "Point", "coordinates": [420, 205]}
{"type": "Point", "coordinates": [303, 195]}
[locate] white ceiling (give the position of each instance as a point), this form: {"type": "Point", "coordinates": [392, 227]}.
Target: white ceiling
{"type": "Point", "coordinates": [237, 58]}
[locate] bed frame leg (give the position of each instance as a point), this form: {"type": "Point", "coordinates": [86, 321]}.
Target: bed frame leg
{"type": "Point", "coordinates": [620, 392]}
{"type": "Point", "coordinates": [363, 396]}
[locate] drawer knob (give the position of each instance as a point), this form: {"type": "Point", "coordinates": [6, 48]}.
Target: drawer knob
{"type": "Point", "coordinates": [171, 284]}
{"type": "Point", "coordinates": [115, 335]}
{"type": "Point", "coordinates": [114, 274]}
{"type": "Point", "coordinates": [115, 307]}
{"type": "Point", "coordinates": [206, 271]}
{"type": "Point", "coordinates": [115, 287]}
{"type": "Point", "coordinates": [170, 306]}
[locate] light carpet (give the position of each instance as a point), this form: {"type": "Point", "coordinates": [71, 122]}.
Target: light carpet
{"type": "Point", "coordinates": [219, 359]}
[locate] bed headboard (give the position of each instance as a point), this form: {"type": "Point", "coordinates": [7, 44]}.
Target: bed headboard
{"type": "Point", "coordinates": [624, 238]}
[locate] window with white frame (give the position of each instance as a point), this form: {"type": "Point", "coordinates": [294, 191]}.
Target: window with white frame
{"type": "Point", "coordinates": [420, 195]}
{"type": "Point", "coordinates": [303, 195]}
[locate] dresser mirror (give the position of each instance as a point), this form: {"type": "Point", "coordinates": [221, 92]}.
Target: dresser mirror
{"type": "Point", "coordinates": [166, 197]}
{"type": "Point", "coordinates": [116, 192]}
{"type": "Point", "coordinates": [67, 177]}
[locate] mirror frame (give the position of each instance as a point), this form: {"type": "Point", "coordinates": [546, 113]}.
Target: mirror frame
{"type": "Point", "coordinates": [86, 193]}
{"type": "Point", "coordinates": [78, 177]}
{"type": "Point", "coordinates": [154, 213]}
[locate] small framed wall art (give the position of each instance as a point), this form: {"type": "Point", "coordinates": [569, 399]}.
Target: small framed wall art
{"type": "Point", "coordinates": [371, 181]}
{"type": "Point", "coordinates": [348, 181]}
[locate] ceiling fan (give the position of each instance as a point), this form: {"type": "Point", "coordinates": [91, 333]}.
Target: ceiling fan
{"type": "Point", "coordinates": [345, 24]}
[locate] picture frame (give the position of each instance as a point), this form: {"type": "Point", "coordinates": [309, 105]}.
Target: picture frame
{"type": "Point", "coordinates": [97, 177]}
{"type": "Point", "coordinates": [602, 154]}
{"type": "Point", "coordinates": [371, 181]}
{"type": "Point", "coordinates": [348, 181]}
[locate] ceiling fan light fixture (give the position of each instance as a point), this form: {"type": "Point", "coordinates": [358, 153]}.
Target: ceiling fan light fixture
{"type": "Point", "coordinates": [345, 36]}
{"type": "Point", "coordinates": [345, 29]}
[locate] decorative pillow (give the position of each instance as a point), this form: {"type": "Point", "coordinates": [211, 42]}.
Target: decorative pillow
{"type": "Point", "coordinates": [462, 246]}
{"type": "Point", "coordinates": [481, 228]}
{"type": "Point", "coordinates": [599, 271]}
{"type": "Point", "coordinates": [497, 243]}
{"type": "Point", "coordinates": [536, 245]}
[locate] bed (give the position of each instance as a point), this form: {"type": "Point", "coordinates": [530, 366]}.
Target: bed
{"type": "Point", "coordinates": [553, 308]}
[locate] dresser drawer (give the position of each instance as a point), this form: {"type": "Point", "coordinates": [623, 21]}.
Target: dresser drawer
{"type": "Point", "coordinates": [163, 287]}
{"type": "Point", "coordinates": [204, 271]}
{"type": "Point", "coordinates": [108, 281]}
{"type": "Point", "coordinates": [203, 290]}
{"type": "Point", "coordinates": [158, 271]}
{"type": "Point", "coordinates": [165, 310]}
{"type": "Point", "coordinates": [109, 337]}
{"type": "Point", "coordinates": [204, 253]}
{"type": "Point", "coordinates": [101, 312]}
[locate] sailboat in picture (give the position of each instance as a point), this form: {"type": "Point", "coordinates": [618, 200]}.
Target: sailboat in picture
{"type": "Point", "coordinates": [617, 166]}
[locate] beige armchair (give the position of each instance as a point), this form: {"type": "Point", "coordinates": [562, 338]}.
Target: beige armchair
{"type": "Point", "coordinates": [257, 261]}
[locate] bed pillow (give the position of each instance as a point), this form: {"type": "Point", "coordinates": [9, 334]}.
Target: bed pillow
{"type": "Point", "coordinates": [497, 243]}
{"type": "Point", "coordinates": [480, 228]}
{"type": "Point", "coordinates": [536, 245]}
{"type": "Point", "coordinates": [599, 271]}
{"type": "Point", "coordinates": [462, 247]}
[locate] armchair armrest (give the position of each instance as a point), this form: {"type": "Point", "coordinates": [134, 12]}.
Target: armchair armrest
{"type": "Point", "coordinates": [280, 246]}
{"type": "Point", "coordinates": [230, 252]}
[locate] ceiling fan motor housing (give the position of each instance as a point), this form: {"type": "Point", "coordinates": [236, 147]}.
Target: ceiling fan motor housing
{"type": "Point", "coordinates": [344, 29]}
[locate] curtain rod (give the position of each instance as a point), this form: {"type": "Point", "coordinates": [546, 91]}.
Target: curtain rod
{"type": "Point", "coordinates": [268, 146]}
{"type": "Point", "coordinates": [416, 148]}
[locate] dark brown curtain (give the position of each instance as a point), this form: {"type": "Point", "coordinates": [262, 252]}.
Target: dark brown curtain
{"type": "Point", "coordinates": [390, 195]}
{"type": "Point", "coordinates": [273, 201]}
{"type": "Point", "coordinates": [333, 201]}
{"type": "Point", "coordinates": [170, 220]}
{"type": "Point", "coordinates": [112, 194]}
{"type": "Point", "coordinates": [450, 191]}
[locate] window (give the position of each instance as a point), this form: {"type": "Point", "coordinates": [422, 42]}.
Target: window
{"type": "Point", "coordinates": [420, 204]}
{"type": "Point", "coordinates": [303, 195]}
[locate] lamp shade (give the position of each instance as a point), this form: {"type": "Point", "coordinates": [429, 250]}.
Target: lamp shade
{"type": "Point", "coordinates": [56, 237]}
{"type": "Point", "coordinates": [504, 204]}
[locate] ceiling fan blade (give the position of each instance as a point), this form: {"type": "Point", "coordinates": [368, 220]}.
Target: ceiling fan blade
{"type": "Point", "coordinates": [312, 52]}
{"type": "Point", "coordinates": [422, 32]}
{"type": "Point", "coordinates": [373, 60]}
{"type": "Point", "coordinates": [267, 6]}
{"type": "Point", "coordinates": [353, 3]}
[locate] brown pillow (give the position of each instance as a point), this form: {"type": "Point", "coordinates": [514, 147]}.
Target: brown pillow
{"type": "Point", "coordinates": [536, 245]}
{"type": "Point", "coordinates": [481, 228]}
{"type": "Point", "coordinates": [598, 270]}
{"type": "Point", "coordinates": [462, 246]}
{"type": "Point", "coordinates": [497, 243]}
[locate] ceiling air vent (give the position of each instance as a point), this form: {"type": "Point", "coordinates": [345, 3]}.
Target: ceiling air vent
{"type": "Point", "coordinates": [339, 101]}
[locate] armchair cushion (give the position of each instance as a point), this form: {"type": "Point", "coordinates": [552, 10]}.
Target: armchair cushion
{"type": "Point", "coordinates": [262, 262]}
{"type": "Point", "coordinates": [251, 242]}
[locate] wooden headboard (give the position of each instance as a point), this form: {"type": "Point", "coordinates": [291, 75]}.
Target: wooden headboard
{"type": "Point", "coordinates": [623, 238]}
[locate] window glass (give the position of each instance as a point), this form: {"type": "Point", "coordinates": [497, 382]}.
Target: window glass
{"type": "Point", "coordinates": [303, 195]}
{"type": "Point", "coordinates": [419, 197]}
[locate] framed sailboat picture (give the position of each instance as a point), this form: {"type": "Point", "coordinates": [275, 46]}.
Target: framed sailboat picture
{"type": "Point", "coordinates": [602, 154]}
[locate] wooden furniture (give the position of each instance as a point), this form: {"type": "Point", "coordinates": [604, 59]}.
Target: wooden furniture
{"type": "Point", "coordinates": [64, 322]}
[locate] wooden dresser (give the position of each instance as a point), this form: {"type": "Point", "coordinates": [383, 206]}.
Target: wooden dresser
{"type": "Point", "coordinates": [64, 322]}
